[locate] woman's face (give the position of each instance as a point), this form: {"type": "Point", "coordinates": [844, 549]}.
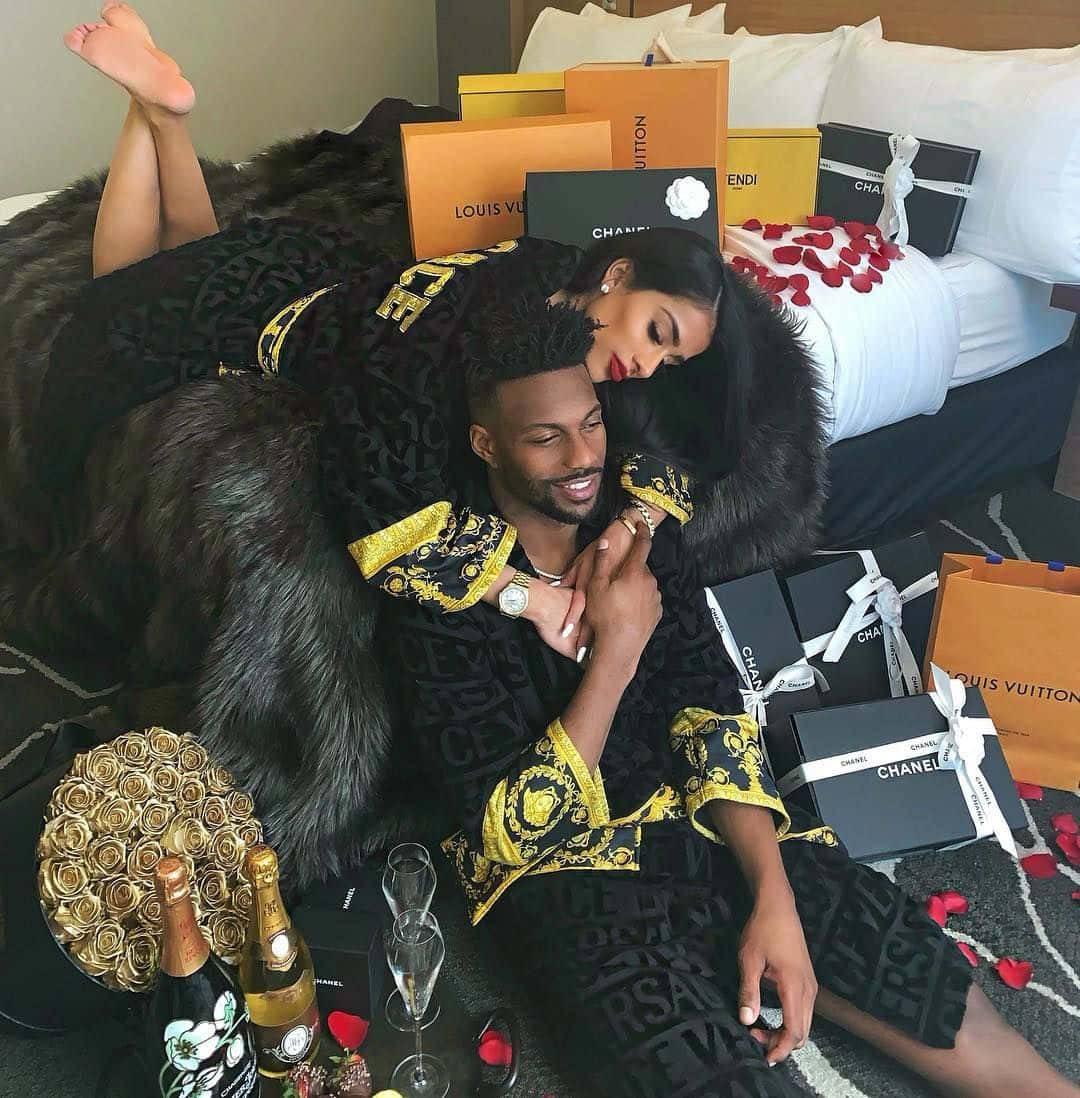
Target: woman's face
{"type": "Point", "coordinates": [643, 330]}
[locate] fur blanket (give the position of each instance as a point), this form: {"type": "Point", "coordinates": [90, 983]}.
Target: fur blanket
{"type": "Point", "coordinates": [198, 548]}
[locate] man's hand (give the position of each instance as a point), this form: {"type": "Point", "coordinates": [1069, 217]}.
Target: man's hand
{"type": "Point", "coordinates": [548, 609]}
{"type": "Point", "coordinates": [623, 604]}
{"type": "Point", "coordinates": [773, 947]}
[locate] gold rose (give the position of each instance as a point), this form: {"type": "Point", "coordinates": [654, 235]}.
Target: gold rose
{"type": "Point", "coordinates": [59, 880]}
{"type": "Point", "coordinates": [85, 951]}
{"type": "Point", "coordinates": [136, 787]}
{"type": "Point", "coordinates": [143, 858]}
{"type": "Point", "coordinates": [71, 796]}
{"type": "Point", "coordinates": [163, 744]}
{"type": "Point", "coordinates": [191, 791]}
{"type": "Point", "coordinates": [120, 897]}
{"type": "Point", "coordinates": [103, 768]}
{"type": "Point", "coordinates": [132, 748]}
{"type": "Point", "coordinates": [241, 899]}
{"type": "Point", "coordinates": [226, 932]}
{"type": "Point", "coordinates": [155, 818]}
{"type": "Point", "coordinates": [226, 849]}
{"type": "Point", "coordinates": [218, 779]}
{"type": "Point", "coordinates": [114, 815]}
{"type": "Point", "coordinates": [186, 836]}
{"type": "Point", "coordinates": [165, 779]}
{"type": "Point", "coordinates": [67, 835]}
{"type": "Point", "coordinates": [215, 812]}
{"type": "Point", "coordinates": [148, 913]}
{"type": "Point", "coordinates": [240, 805]}
{"type": "Point", "coordinates": [214, 888]}
{"type": "Point", "coordinates": [250, 832]}
{"type": "Point", "coordinates": [73, 920]}
{"type": "Point", "coordinates": [193, 756]}
{"type": "Point", "coordinates": [106, 857]}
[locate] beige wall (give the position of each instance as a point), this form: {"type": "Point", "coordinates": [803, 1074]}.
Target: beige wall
{"type": "Point", "coordinates": [262, 69]}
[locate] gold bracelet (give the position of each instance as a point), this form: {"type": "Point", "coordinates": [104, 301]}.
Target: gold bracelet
{"type": "Point", "coordinates": [629, 525]}
{"type": "Point", "coordinates": [644, 512]}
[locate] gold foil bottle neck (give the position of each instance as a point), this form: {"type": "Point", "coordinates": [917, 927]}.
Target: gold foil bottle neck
{"type": "Point", "coordinates": [261, 866]}
{"type": "Point", "coordinates": [171, 881]}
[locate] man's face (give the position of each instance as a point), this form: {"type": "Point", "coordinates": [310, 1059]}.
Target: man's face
{"type": "Point", "coordinates": [547, 443]}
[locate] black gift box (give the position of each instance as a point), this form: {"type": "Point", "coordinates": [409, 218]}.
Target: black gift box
{"type": "Point", "coordinates": [342, 922]}
{"type": "Point", "coordinates": [584, 207]}
{"type": "Point", "coordinates": [818, 602]}
{"type": "Point", "coordinates": [933, 218]}
{"type": "Point", "coordinates": [897, 808]}
{"type": "Point", "coordinates": [755, 611]}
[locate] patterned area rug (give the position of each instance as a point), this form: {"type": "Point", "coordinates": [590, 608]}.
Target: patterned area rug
{"type": "Point", "coordinates": [1011, 915]}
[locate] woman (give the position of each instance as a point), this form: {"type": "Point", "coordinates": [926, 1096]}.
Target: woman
{"type": "Point", "coordinates": [174, 300]}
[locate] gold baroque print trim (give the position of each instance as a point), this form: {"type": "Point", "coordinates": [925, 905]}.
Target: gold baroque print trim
{"type": "Point", "coordinates": [591, 785]}
{"type": "Point", "coordinates": [661, 485]}
{"type": "Point", "coordinates": [374, 552]}
{"type": "Point", "coordinates": [276, 331]}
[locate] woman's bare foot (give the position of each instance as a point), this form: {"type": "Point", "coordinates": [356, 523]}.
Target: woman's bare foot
{"type": "Point", "coordinates": [124, 57]}
{"type": "Point", "coordinates": [124, 17]}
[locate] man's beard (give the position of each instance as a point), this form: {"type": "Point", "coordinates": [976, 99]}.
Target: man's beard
{"type": "Point", "coordinates": [540, 496]}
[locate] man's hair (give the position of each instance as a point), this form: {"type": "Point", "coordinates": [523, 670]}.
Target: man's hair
{"type": "Point", "coordinates": [521, 338]}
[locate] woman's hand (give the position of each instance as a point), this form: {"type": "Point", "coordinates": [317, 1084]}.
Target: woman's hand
{"type": "Point", "coordinates": [548, 610]}
{"type": "Point", "coordinates": [773, 947]}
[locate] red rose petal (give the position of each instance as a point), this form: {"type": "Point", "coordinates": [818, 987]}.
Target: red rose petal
{"type": "Point", "coordinates": [800, 297]}
{"type": "Point", "coordinates": [821, 221]}
{"type": "Point", "coordinates": [799, 282]}
{"type": "Point", "coordinates": [1076, 894]}
{"type": "Point", "coordinates": [879, 261]}
{"type": "Point", "coordinates": [778, 283]}
{"type": "Point", "coordinates": [786, 227]}
{"type": "Point", "coordinates": [955, 902]}
{"type": "Point", "coordinates": [822, 240]}
{"type": "Point", "coordinates": [844, 269]}
{"type": "Point", "coordinates": [849, 255]}
{"type": "Point", "coordinates": [855, 229]}
{"type": "Point", "coordinates": [812, 261]}
{"type": "Point", "coordinates": [1068, 846]}
{"type": "Point", "coordinates": [763, 278]}
{"type": "Point", "coordinates": [969, 953]}
{"type": "Point", "coordinates": [862, 283]}
{"type": "Point", "coordinates": [1065, 821]}
{"type": "Point", "coordinates": [772, 232]}
{"type": "Point", "coordinates": [806, 238]}
{"type": "Point", "coordinates": [752, 223]}
{"type": "Point", "coordinates": [495, 1049]}
{"type": "Point", "coordinates": [1039, 865]}
{"type": "Point", "coordinates": [873, 275]}
{"type": "Point", "coordinates": [1028, 791]}
{"type": "Point", "coordinates": [889, 250]}
{"type": "Point", "coordinates": [777, 300]}
{"type": "Point", "coordinates": [935, 908]}
{"type": "Point", "coordinates": [1014, 973]}
{"type": "Point", "coordinates": [349, 1030]}
{"type": "Point", "coordinates": [787, 254]}
{"type": "Point", "coordinates": [861, 245]}
{"type": "Point", "coordinates": [832, 277]}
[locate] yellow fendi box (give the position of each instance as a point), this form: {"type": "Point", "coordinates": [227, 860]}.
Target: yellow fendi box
{"type": "Point", "coordinates": [465, 181]}
{"type": "Point", "coordinates": [771, 175]}
{"type": "Point", "coordinates": [662, 116]}
{"type": "Point", "coordinates": [510, 95]}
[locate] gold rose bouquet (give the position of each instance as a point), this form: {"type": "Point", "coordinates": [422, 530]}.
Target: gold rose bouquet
{"type": "Point", "coordinates": [121, 807]}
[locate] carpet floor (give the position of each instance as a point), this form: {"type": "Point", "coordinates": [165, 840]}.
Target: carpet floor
{"type": "Point", "coordinates": [1010, 914]}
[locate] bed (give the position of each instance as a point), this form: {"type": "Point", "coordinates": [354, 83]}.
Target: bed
{"type": "Point", "coordinates": [957, 365]}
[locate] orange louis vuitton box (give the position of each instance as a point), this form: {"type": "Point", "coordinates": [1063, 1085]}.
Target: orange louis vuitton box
{"type": "Point", "coordinates": [662, 116]}
{"type": "Point", "coordinates": [465, 181]}
{"type": "Point", "coordinates": [1012, 628]}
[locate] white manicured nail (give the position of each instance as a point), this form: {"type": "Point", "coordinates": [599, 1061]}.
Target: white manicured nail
{"type": "Point", "coordinates": [581, 652]}
{"type": "Point", "coordinates": [567, 630]}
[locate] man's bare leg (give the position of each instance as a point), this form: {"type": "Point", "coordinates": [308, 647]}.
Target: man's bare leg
{"type": "Point", "coordinates": [989, 1060]}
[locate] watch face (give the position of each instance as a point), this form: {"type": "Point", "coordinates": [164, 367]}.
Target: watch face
{"type": "Point", "coordinates": [513, 600]}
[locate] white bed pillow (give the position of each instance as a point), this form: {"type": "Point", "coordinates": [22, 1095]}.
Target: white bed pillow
{"type": "Point", "coordinates": [560, 40]}
{"type": "Point", "coordinates": [871, 26]}
{"type": "Point", "coordinates": [710, 20]}
{"type": "Point", "coordinates": [1020, 108]}
{"type": "Point", "coordinates": [771, 83]}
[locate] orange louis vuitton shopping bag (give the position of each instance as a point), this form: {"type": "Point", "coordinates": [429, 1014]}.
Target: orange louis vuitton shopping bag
{"type": "Point", "coordinates": [1012, 628]}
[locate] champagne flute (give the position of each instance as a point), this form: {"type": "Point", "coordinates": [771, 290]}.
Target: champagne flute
{"type": "Point", "coordinates": [408, 884]}
{"type": "Point", "coordinates": [415, 952]}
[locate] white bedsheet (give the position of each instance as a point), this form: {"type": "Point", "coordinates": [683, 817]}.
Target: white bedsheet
{"type": "Point", "coordinates": [882, 356]}
{"type": "Point", "coordinates": [9, 207]}
{"type": "Point", "coordinates": [1005, 318]}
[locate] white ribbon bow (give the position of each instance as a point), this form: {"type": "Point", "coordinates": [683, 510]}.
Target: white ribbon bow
{"type": "Point", "coordinates": [875, 598]}
{"type": "Point", "coordinates": [899, 182]}
{"type": "Point", "coordinates": [796, 676]}
{"type": "Point", "coordinates": [962, 749]}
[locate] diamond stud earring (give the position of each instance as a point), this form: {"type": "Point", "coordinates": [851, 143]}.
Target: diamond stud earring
{"type": "Point", "coordinates": [604, 287]}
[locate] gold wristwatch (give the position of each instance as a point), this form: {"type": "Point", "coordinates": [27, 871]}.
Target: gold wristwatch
{"type": "Point", "coordinates": [514, 597]}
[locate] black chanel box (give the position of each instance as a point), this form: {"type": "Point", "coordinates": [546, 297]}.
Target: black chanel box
{"type": "Point", "coordinates": [933, 217]}
{"type": "Point", "coordinates": [584, 207]}
{"type": "Point", "coordinates": [342, 922]}
{"type": "Point", "coordinates": [819, 600]}
{"type": "Point", "coordinates": [897, 807]}
{"type": "Point", "coordinates": [752, 609]}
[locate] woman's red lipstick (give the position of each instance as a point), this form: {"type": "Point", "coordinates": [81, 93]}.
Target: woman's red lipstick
{"type": "Point", "coordinates": [618, 371]}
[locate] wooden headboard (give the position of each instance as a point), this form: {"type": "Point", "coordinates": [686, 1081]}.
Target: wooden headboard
{"type": "Point", "coordinates": [966, 24]}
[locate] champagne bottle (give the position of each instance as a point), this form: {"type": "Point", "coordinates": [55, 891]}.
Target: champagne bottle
{"type": "Point", "coordinates": [198, 1034]}
{"type": "Point", "coordinates": [276, 974]}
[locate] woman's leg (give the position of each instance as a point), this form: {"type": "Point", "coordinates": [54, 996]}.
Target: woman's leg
{"type": "Point", "coordinates": [989, 1060]}
{"type": "Point", "coordinates": [186, 210]}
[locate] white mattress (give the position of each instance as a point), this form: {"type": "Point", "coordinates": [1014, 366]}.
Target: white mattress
{"type": "Point", "coordinates": [882, 356]}
{"type": "Point", "coordinates": [1005, 318]}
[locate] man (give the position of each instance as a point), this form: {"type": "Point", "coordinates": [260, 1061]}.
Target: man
{"type": "Point", "coordinates": [615, 820]}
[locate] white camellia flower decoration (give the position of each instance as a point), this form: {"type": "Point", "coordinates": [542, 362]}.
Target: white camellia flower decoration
{"type": "Point", "coordinates": [202, 1085]}
{"type": "Point", "coordinates": [235, 1052]}
{"type": "Point", "coordinates": [188, 1044]}
{"type": "Point", "coordinates": [225, 1010]}
{"type": "Point", "coordinates": [687, 198]}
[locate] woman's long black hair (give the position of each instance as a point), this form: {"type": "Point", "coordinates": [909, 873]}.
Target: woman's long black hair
{"type": "Point", "coordinates": [693, 415]}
